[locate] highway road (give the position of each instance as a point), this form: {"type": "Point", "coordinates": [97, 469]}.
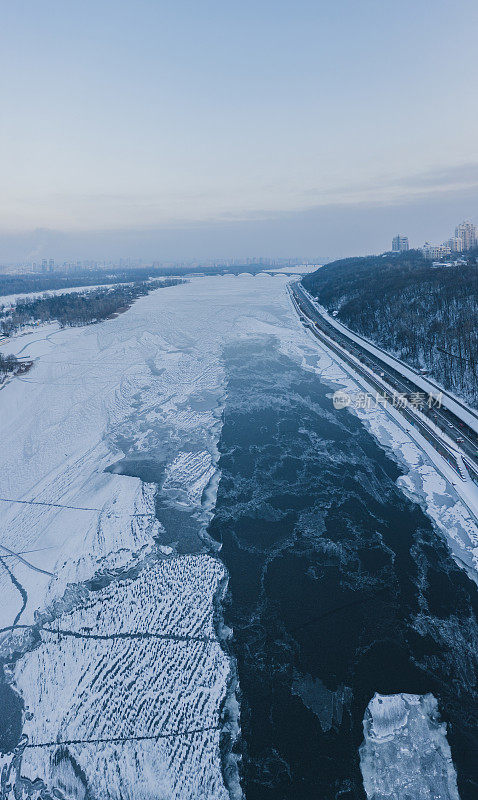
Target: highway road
{"type": "Point", "coordinates": [386, 380]}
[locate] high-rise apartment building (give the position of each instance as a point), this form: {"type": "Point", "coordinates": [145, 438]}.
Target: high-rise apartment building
{"type": "Point", "coordinates": [399, 244]}
{"type": "Point", "coordinates": [467, 233]}
{"type": "Point", "coordinates": [455, 244]}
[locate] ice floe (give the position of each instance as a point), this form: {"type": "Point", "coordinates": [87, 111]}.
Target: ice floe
{"type": "Point", "coordinates": [405, 754]}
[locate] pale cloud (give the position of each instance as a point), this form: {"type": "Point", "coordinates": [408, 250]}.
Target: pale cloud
{"type": "Point", "coordinates": [103, 211]}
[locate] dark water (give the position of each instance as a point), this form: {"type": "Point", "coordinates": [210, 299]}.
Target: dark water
{"type": "Point", "coordinates": [339, 587]}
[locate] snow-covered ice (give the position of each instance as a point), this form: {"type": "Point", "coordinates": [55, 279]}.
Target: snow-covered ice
{"type": "Point", "coordinates": [150, 383]}
{"type": "Point", "coordinates": [405, 754]}
{"type": "Point", "coordinates": [124, 641]}
{"type": "Point", "coordinates": [142, 659]}
{"type": "Point", "coordinates": [124, 645]}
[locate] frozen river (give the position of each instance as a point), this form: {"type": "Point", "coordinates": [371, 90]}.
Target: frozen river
{"type": "Point", "coordinates": [135, 450]}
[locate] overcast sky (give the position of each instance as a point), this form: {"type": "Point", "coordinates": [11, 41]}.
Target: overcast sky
{"type": "Point", "coordinates": [203, 129]}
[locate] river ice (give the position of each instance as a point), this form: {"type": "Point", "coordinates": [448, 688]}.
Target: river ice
{"type": "Point", "coordinates": [124, 648]}
{"type": "Point", "coordinates": [405, 755]}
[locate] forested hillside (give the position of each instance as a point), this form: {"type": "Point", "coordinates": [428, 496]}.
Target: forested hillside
{"type": "Point", "coordinates": [425, 315]}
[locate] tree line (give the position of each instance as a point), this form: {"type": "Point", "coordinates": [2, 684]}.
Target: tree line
{"type": "Point", "coordinates": [49, 282]}
{"type": "Point", "coordinates": [71, 309]}
{"type": "Point", "coordinates": [76, 308]}
{"type": "Point", "coordinates": [9, 364]}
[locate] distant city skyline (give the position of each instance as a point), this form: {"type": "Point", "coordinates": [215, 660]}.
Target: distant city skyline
{"type": "Point", "coordinates": [177, 131]}
{"type": "Point", "coordinates": [465, 236]}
